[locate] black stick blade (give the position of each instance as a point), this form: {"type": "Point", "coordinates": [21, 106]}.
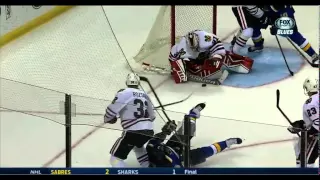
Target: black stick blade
{"type": "Point", "coordinates": [278, 97]}
{"type": "Point", "coordinates": [142, 78]}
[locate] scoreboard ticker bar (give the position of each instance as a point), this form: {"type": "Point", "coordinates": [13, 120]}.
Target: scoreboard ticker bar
{"type": "Point", "coordinates": [158, 171]}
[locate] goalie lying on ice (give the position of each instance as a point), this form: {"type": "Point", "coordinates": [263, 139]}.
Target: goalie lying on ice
{"type": "Point", "coordinates": [201, 54]}
{"type": "Point", "coordinates": [170, 154]}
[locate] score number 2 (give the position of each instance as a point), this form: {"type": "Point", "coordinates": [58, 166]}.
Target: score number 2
{"type": "Point", "coordinates": [107, 171]}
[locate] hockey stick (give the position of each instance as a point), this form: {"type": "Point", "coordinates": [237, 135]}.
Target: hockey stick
{"type": "Point", "coordinates": [284, 57]}
{"type": "Point", "coordinates": [305, 58]}
{"type": "Point", "coordinates": [142, 78]}
{"type": "Point", "coordinates": [173, 103]}
{"type": "Point", "coordinates": [283, 114]}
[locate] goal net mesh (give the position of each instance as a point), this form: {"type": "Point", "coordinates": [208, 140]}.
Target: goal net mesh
{"type": "Point", "coordinates": [171, 24]}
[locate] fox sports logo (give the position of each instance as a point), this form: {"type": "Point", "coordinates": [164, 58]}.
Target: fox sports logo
{"type": "Point", "coordinates": [285, 25]}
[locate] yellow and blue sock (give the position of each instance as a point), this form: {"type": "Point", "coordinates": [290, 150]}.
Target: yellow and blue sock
{"type": "Point", "coordinates": [302, 43]}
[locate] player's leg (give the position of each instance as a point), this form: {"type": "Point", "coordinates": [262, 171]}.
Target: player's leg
{"type": "Point", "coordinates": [141, 138]}
{"type": "Point", "coordinates": [257, 41]}
{"type": "Point", "coordinates": [304, 44]}
{"type": "Point", "coordinates": [245, 21]}
{"type": "Point", "coordinates": [200, 155]}
{"type": "Point", "coordinates": [120, 150]}
{"type": "Point", "coordinates": [311, 151]}
{"type": "Point", "coordinates": [234, 39]}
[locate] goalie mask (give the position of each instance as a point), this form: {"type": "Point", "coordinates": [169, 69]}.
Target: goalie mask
{"type": "Point", "coordinates": [133, 80]}
{"type": "Point", "coordinates": [193, 41]}
{"type": "Point", "coordinates": [311, 86]}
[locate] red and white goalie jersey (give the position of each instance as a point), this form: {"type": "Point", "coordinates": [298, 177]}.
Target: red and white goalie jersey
{"type": "Point", "coordinates": [202, 54]}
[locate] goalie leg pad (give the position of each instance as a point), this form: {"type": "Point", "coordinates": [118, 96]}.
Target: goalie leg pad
{"type": "Point", "coordinates": [178, 71]}
{"type": "Point", "coordinates": [238, 63]}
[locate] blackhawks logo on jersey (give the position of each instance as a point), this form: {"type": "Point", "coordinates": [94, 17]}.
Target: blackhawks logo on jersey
{"type": "Point", "coordinates": [207, 38]}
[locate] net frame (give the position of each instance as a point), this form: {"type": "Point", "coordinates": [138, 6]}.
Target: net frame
{"type": "Point", "coordinates": [173, 22]}
{"type": "Point", "coordinates": [168, 30]}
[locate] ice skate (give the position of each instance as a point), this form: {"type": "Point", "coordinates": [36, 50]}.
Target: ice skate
{"type": "Point", "coordinates": [232, 141]}
{"type": "Point", "coordinates": [233, 42]}
{"type": "Point", "coordinates": [315, 60]}
{"type": "Point", "coordinates": [256, 48]}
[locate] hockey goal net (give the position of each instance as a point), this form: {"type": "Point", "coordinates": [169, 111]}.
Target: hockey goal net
{"type": "Point", "coordinates": [173, 22]}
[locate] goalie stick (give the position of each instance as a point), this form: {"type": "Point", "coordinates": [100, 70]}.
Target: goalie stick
{"type": "Point", "coordinates": [160, 70]}
{"type": "Point", "coordinates": [283, 114]}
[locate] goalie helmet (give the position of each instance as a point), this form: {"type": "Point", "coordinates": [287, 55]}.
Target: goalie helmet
{"type": "Point", "coordinates": [133, 79]}
{"type": "Point", "coordinates": [311, 86]}
{"type": "Point", "coordinates": [193, 40]}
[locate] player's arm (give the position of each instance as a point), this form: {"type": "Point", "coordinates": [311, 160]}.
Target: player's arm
{"type": "Point", "coordinates": [310, 121]}
{"type": "Point", "coordinates": [217, 49]}
{"type": "Point", "coordinates": [177, 64]}
{"type": "Point", "coordinates": [311, 118]}
{"type": "Point", "coordinates": [113, 109]}
{"type": "Point", "coordinates": [150, 109]}
{"type": "Point", "coordinates": [166, 130]}
{"type": "Point", "coordinates": [256, 12]}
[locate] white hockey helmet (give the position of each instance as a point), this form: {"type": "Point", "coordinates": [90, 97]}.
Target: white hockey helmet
{"type": "Point", "coordinates": [133, 79]}
{"type": "Point", "coordinates": [193, 40]}
{"type": "Point", "coordinates": [311, 86]}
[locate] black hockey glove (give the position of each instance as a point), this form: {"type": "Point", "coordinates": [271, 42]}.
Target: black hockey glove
{"type": "Point", "coordinates": [112, 121]}
{"type": "Point", "coordinates": [273, 30]}
{"type": "Point", "coordinates": [296, 127]}
{"type": "Point", "coordinates": [264, 20]}
{"type": "Point", "coordinates": [169, 127]}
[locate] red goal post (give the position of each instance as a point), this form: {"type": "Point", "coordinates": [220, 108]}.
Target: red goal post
{"type": "Point", "coordinates": [173, 22]}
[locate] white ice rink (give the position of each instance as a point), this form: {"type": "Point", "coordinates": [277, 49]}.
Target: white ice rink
{"type": "Point", "coordinates": [77, 54]}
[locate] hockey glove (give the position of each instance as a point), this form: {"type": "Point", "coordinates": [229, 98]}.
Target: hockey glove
{"type": "Point", "coordinates": [112, 121]}
{"type": "Point", "coordinates": [264, 20]}
{"type": "Point", "coordinates": [169, 127]}
{"type": "Point", "coordinates": [293, 130]}
{"type": "Point", "coordinates": [296, 127]}
{"type": "Point", "coordinates": [273, 30]}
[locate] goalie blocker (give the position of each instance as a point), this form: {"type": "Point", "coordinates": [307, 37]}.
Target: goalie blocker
{"type": "Point", "coordinates": [211, 68]}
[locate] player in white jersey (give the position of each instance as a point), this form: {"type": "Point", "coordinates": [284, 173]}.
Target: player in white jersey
{"type": "Point", "coordinates": [201, 55]}
{"type": "Point", "coordinates": [310, 121]}
{"type": "Point", "coordinates": [136, 114]}
{"type": "Point", "coordinates": [251, 19]}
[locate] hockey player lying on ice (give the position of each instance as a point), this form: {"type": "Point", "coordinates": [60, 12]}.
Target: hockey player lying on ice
{"type": "Point", "coordinates": [201, 56]}
{"type": "Point", "coordinates": [170, 154]}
